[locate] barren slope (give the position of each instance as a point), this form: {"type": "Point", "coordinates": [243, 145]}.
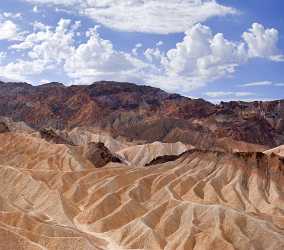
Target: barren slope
{"type": "Point", "coordinates": [50, 198]}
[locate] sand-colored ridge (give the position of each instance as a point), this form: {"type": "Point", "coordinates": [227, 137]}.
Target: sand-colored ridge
{"type": "Point", "coordinates": [30, 152]}
{"type": "Point", "coordinates": [141, 155]}
{"type": "Point", "coordinates": [16, 126]}
{"type": "Point", "coordinates": [83, 136]}
{"type": "Point", "coordinates": [278, 150]}
{"type": "Point", "coordinates": [51, 198]}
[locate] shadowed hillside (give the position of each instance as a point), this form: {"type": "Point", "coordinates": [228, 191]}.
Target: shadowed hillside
{"type": "Point", "coordinates": [142, 113]}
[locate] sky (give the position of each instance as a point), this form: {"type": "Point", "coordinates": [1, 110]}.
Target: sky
{"type": "Point", "coordinates": [217, 50]}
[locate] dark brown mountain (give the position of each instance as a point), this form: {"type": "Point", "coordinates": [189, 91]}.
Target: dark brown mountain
{"type": "Point", "coordinates": [142, 113]}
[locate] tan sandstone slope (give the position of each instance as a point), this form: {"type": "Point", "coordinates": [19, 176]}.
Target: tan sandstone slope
{"type": "Point", "coordinates": [279, 151]}
{"type": "Point", "coordinates": [52, 197]}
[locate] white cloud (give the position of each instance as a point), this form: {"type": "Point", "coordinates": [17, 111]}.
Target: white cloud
{"type": "Point", "coordinates": [22, 46]}
{"type": "Point", "coordinates": [262, 42]}
{"type": "Point", "coordinates": [35, 9]}
{"type": "Point", "coordinates": [240, 94]}
{"type": "Point", "coordinates": [262, 83]}
{"type": "Point", "coordinates": [255, 84]}
{"type": "Point", "coordinates": [153, 54]}
{"type": "Point", "coordinates": [97, 59]}
{"type": "Point", "coordinates": [199, 59]}
{"type": "Point", "coordinates": [12, 15]}
{"type": "Point", "coordinates": [150, 16]}
{"type": "Point", "coordinates": [202, 57]}
{"type": "Point", "coordinates": [47, 45]}
{"type": "Point", "coordinates": [8, 30]}
{"type": "Point", "coordinates": [173, 84]}
{"type": "Point", "coordinates": [277, 58]}
{"type": "Point", "coordinates": [45, 50]}
{"type": "Point", "coordinates": [57, 2]}
{"type": "Point", "coordinates": [21, 69]}
{"type": "Point", "coordinates": [64, 11]}
{"type": "Point", "coordinates": [238, 99]}
{"type": "Point", "coordinates": [136, 48]}
{"type": "Point", "coordinates": [160, 43]}
{"type": "Point", "coordinates": [218, 94]}
{"type": "Point", "coordinates": [40, 26]}
{"type": "Point", "coordinates": [43, 81]}
{"type": "Point", "coordinates": [54, 48]}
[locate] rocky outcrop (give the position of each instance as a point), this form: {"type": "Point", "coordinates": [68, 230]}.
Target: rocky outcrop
{"type": "Point", "coordinates": [99, 154]}
{"type": "Point", "coordinates": [4, 128]}
{"type": "Point", "coordinates": [163, 159]}
{"type": "Point", "coordinates": [50, 135]}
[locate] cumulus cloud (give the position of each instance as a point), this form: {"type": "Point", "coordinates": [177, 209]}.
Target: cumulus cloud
{"type": "Point", "coordinates": [49, 45]}
{"type": "Point", "coordinates": [97, 59]}
{"type": "Point", "coordinates": [201, 57]}
{"type": "Point", "coordinates": [150, 16]}
{"type": "Point", "coordinates": [153, 54]}
{"type": "Point", "coordinates": [8, 30]}
{"type": "Point", "coordinates": [45, 50]}
{"type": "Point", "coordinates": [262, 42]}
{"type": "Point", "coordinates": [21, 69]}
{"type": "Point", "coordinates": [54, 48]}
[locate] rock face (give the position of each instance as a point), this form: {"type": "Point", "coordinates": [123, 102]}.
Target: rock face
{"type": "Point", "coordinates": [163, 159]}
{"type": "Point", "coordinates": [51, 136]}
{"type": "Point", "coordinates": [99, 154]}
{"type": "Point", "coordinates": [4, 128]}
{"type": "Point", "coordinates": [142, 113]}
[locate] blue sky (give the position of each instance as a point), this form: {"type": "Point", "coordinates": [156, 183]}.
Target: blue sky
{"type": "Point", "coordinates": [217, 50]}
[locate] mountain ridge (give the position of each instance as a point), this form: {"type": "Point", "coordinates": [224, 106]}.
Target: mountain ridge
{"type": "Point", "coordinates": [123, 109]}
